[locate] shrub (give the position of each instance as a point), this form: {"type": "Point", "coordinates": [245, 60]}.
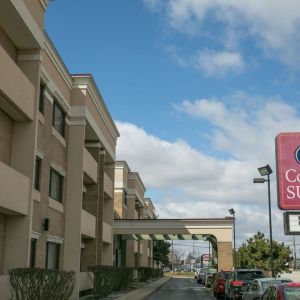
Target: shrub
{"type": "Point", "coordinates": [146, 273]}
{"type": "Point", "coordinates": [41, 284]}
{"type": "Point", "coordinates": [108, 279]}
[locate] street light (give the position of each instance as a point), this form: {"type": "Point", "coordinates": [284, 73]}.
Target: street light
{"type": "Point", "coordinates": [232, 212]}
{"type": "Point", "coordinates": [266, 171]}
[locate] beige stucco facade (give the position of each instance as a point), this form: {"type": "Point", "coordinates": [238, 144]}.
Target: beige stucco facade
{"type": "Point", "coordinates": [81, 153]}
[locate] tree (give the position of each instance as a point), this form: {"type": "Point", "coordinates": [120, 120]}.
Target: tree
{"type": "Point", "coordinates": [255, 253]}
{"type": "Point", "coordinates": [161, 251]}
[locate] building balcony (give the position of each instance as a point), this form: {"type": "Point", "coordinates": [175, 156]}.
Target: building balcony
{"type": "Point", "coordinates": [17, 93]}
{"type": "Point", "coordinates": [108, 186]}
{"type": "Point", "coordinates": [90, 167]}
{"type": "Point", "coordinates": [14, 191]}
{"type": "Point", "coordinates": [107, 233]}
{"type": "Point", "coordinates": [88, 224]}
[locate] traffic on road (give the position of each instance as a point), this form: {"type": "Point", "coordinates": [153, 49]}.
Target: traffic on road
{"type": "Point", "coordinates": [240, 284]}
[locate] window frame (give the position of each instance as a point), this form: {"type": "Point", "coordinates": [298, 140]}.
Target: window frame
{"type": "Point", "coordinates": [57, 259]}
{"type": "Point", "coordinates": [41, 97]}
{"type": "Point", "coordinates": [58, 129]}
{"type": "Point", "coordinates": [33, 246]}
{"type": "Point", "coordinates": [61, 184]}
{"type": "Point", "coordinates": [37, 174]}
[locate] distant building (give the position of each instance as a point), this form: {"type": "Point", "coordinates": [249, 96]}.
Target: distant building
{"type": "Point", "coordinates": [131, 204]}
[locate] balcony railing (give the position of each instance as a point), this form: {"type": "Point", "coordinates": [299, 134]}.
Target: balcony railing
{"type": "Point", "coordinates": [90, 166]}
{"type": "Point", "coordinates": [108, 185]}
{"type": "Point", "coordinates": [88, 224]}
{"type": "Point", "coordinates": [14, 191]}
{"type": "Point", "coordinates": [107, 233]}
{"type": "Point", "coordinates": [16, 91]}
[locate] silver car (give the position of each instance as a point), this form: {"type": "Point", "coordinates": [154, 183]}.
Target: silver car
{"type": "Point", "coordinates": [257, 287]}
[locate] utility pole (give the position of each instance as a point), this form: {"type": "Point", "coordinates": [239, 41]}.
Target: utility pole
{"type": "Point", "coordinates": [295, 258]}
{"type": "Point", "coordinates": [172, 258]}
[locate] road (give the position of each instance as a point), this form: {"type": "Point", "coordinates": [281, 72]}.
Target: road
{"type": "Point", "coordinates": [181, 288]}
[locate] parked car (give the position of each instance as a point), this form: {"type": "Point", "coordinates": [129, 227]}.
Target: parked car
{"type": "Point", "coordinates": [166, 269]}
{"type": "Point", "coordinates": [284, 291]}
{"type": "Point", "coordinates": [258, 286]}
{"type": "Point", "coordinates": [219, 284]}
{"type": "Point", "coordinates": [209, 280]}
{"type": "Point", "coordinates": [238, 282]}
{"type": "Point", "coordinates": [201, 277]}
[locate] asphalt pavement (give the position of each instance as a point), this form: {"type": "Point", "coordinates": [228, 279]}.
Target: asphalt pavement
{"type": "Point", "coordinates": [181, 288]}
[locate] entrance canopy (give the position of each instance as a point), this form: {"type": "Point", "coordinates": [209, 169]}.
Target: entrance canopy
{"type": "Point", "coordinates": [175, 229]}
{"type": "Point", "coordinates": [217, 231]}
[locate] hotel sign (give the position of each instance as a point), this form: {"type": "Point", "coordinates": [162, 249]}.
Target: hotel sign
{"type": "Point", "coordinates": [291, 221]}
{"type": "Point", "coordinates": [288, 170]}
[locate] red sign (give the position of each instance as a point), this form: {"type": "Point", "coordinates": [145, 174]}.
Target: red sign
{"type": "Point", "coordinates": [288, 170]}
{"type": "Point", "coordinates": [206, 257]}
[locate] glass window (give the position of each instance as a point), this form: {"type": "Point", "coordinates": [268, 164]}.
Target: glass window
{"type": "Point", "coordinates": [56, 185]}
{"type": "Point", "coordinates": [58, 119]}
{"type": "Point", "coordinates": [52, 256]}
{"type": "Point", "coordinates": [32, 253]}
{"type": "Point", "coordinates": [125, 198]}
{"type": "Point", "coordinates": [37, 179]}
{"type": "Point", "coordinates": [41, 97]}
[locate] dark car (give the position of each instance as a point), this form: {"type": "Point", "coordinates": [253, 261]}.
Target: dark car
{"type": "Point", "coordinates": [201, 274]}
{"type": "Point", "coordinates": [238, 282]}
{"type": "Point", "coordinates": [219, 285]}
{"type": "Point", "coordinates": [286, 291]}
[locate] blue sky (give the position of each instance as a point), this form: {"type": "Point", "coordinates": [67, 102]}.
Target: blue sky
{"type": "Point", "coordinates": [199, 89]}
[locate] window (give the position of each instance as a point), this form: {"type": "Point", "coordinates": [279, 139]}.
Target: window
{"type": "Point", "coordinates": [32, 252]}
{"type": "Point", "coordinates": [58, 119]}
{"type": "Point", "coordinates": [41, 97]}
{"type": "Point", "coordinates": [56, 185]}
{"type": "Point", "coordinates": [52, 256]}
{"type": "Point", "coordinates": [125, 198]}
{"type": "Point", "coordinates": [37, 179]}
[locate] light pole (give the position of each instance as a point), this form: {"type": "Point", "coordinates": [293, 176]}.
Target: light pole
{"type": "Point", "coordinates": [266, 171]}
{"type": "Point", "coordinates": [232, 212]}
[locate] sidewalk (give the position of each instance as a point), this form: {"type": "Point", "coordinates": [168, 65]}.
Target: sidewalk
{"type": "Point", "coordinates": [138, 291]}
{"type": "Point", "coordinates": [145, 291]}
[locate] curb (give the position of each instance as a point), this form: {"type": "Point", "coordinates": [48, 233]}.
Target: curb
{"type": "Point", "coordinates": [145, 291]}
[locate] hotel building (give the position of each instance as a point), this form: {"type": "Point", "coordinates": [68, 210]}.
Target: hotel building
{"type": "Point", "coordinates": [57, 154]}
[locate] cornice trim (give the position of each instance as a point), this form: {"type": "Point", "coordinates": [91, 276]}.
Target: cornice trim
{"type": "Point", "coordinates": [57, 61]}
{"type": "Point", "coordinates": [89, 84]}
{"type": "Point", "coordinates": [82, 111]}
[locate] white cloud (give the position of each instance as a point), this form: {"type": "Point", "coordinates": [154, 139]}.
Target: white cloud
{"type": "Point", "coordinates": [219, 63]}
{"type": "Point", "coordinates": [154, 5]}
{"type": "Point", "coordinates": [172, 51]}
{"type": "Point", "coordinates": [273, 24]}
{"type": "Point", "coordinates": [193, 184]}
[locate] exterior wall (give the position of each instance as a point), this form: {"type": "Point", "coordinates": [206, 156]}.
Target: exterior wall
{"type": "Point", "coordinates": [8, 45]}
{"type": "Point", "coordinates": [6, 130]}
{"type": "Point", "coordinates": [2, 239]}
{"type": "Point", "coordinates": [37, 11]}
{"type": "Point", "coordinates": [59, 83]}
{"type": "Point", "coordinates": [21, 142]}
{"type": "Point", "coordinates": [118, 205]}
{"type": "Point", "coordinates": [225, 261]}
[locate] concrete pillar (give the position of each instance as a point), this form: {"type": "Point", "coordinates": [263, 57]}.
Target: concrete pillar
{"type": "Point", "coordinates": [18, 228]}
{"type": "Point", "coordinates": [91, 204]}
{"type": "Point", "coordinates": [108, 215]}
{"type": "Point", "coordinates": [99, 229]}
{"type": "Point", "coordinates": [225, 261]}
{"type": "Point", "coordinates": [73, 205]}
